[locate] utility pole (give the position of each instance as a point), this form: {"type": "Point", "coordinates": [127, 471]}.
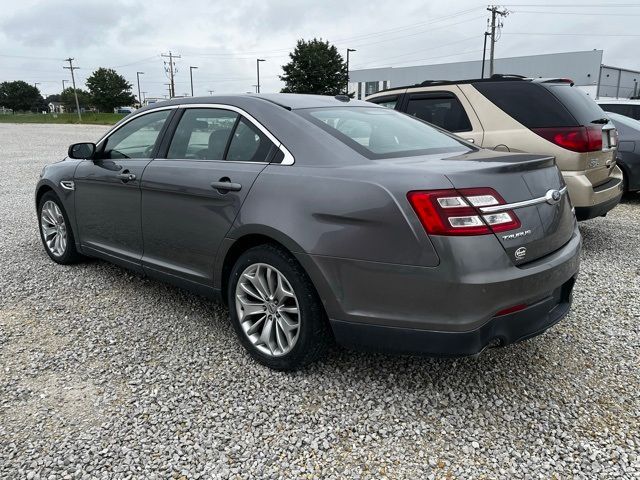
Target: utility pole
{"type": "Point", "coordinates": [171, 56]}
{"type": "Point", "coordinates": [191, 69]}
{"type": "Point", "coordinates": [495, 13]}
{"type": "Point", "coordinates": [138, 77]}
{"type": "Point", "coordinates": [349, 50]}
{"type": "Point", "coordinates": [258, 60]}
{"type": "Point", "coordinates": [73, 82]}
{"type": "Point", "coordinates": [168, 85]}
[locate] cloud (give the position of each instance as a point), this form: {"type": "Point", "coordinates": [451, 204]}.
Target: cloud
{"type": "Point", "coordinates": [66, 23]}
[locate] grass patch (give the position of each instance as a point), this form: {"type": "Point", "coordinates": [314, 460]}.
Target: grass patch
{"type": "Point", "coordinates": [87, 118]}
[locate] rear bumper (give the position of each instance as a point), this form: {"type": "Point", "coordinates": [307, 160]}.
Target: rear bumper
{"type": "Point", "coordinates": [384, 306]}
{"type": "Point", "coordinates": [499, 331]}
{"type": "Point", "coordinates": [586, 213]}
{"type": "Point", "coordinates": [591, 201]}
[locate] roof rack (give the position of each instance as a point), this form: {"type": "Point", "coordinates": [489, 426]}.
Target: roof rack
{"type": "Point", "coordinates": [496, 77]}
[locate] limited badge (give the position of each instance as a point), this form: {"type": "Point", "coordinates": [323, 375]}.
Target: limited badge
{"type": "Point", "coordinates": [521, 253]}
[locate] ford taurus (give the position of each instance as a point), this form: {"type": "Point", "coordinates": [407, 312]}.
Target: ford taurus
{"type": "Point", "coordinates": [319, 218]}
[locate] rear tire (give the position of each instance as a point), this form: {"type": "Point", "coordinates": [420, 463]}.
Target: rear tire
{"type": "Point", "coordinates": [55, 230]}
{"type": "Point", "coordinates": [275, 310]}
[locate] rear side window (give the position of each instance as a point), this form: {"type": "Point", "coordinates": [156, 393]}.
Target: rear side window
{"type": "Point", "coordinates": [248, 144]}
{"type": "Point", "coordinates": [583, 108]}
{"type": "Point", "coordinates": [382, 133]}
{"type": "Point", "coordinates": [443, 110]}
{"type": "Point", "coordinates": [528, 103]}
{"type": "Point", "coordinates": [389, 101]}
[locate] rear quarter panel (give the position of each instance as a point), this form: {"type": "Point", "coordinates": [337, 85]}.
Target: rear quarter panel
{"type": "Point", "coordinates": [339, 212]}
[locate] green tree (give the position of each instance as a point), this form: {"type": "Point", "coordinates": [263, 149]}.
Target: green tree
{"type": "Point", "coordinates": [69, 100]}
{"type": "Point", "coordinates": [315, 67]}
{"type": "Point", "coordinates": [109, 90]}
{"type": "Point", "coordinates": [20, 95]}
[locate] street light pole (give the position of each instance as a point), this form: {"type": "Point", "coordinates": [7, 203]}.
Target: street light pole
{"type": "Point", "coordinates": [63, 82]}
{"type": "Point", "coordinates": [191, 69]}
{"type": "Point", "coordinates": [349, 50]}
{"type": "Point", "coordinates": [139, 96]}
{"type": "Point", "coordinates": [258, 60]}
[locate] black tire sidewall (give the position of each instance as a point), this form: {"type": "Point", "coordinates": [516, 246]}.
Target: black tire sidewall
{"type": "Point", "coordinates": [70, 254]}
{"type": "Point", "coordinates": [312, 320]}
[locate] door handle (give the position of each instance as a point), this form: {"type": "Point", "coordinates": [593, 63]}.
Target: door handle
{"type": "Point", "coordinates": [126, 176]}
{"type": "Point", "coordinates": [225, 185]}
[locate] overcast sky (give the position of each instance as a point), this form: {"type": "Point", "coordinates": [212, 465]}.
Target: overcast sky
{"type": "Point", "coordinates": [224, 38]}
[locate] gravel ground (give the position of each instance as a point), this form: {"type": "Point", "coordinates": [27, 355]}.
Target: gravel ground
{"type": "Point", "coordinates": [108, 375]}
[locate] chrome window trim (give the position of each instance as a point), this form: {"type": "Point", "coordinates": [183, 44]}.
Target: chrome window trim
{"type": "Point", "coordinates": [525, 203]}
{"type": "Point", "coordinates": [288, 157]}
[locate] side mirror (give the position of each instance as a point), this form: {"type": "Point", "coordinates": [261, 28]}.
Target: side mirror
{"type": "Point", "coordinates": [82, 151]}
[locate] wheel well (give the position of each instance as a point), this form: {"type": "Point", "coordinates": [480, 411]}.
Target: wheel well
{"type": "Point", "coordinates": [43, 189]}
{"type": "Point", "coordinates": [238, 248]}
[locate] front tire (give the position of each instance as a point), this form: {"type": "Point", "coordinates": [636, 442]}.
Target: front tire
{"type": "Point", "coordinates": [55, 230]}
{"type": "Point", "coordinates": [275, 310]}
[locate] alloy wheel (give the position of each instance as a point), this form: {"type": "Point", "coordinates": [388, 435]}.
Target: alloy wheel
{"type": "Point", "coordinates": [54, 228]}
{"type": "Point", "coordinates": [267, 308]}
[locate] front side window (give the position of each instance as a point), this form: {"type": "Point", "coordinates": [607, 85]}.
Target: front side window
{"type": "Point", "coordinates": [202, 134]}
{"type": "Point", "coordinates": [137, 138]}
{"type": "Point", "coordinates": [446, 112]}
{"type": "Point", "coordinates": [381, 132]}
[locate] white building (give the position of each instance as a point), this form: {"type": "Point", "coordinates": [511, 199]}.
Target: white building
{"type": "Point", "coordinates": [584, 68]}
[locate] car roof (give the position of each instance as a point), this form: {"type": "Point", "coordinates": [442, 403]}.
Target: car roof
{"type": "Point", "coordinates": [498, 77]}
{"type": "Point", "coordinates": [290, 101]}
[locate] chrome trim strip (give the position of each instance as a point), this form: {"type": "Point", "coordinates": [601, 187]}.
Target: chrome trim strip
{"type": "Point", "coordinates": [288, 157]}
{"type": "Point", "coordinates": [524, 203]}
{"type": "Point", "coordinates": [68, 184]}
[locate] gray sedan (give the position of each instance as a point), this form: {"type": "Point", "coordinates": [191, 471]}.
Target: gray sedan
{"type": "Point", "coordinates": [628, 150]}
{"type": "Point", "coordinates": [319, 218]}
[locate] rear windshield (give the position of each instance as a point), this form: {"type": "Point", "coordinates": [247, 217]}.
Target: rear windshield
{"type": "Point", "coordinates": [537, 105]}
{"type": "Point", "coordinates": [381, 132]}
{"type": "Point", "coordinates": [581, 105]}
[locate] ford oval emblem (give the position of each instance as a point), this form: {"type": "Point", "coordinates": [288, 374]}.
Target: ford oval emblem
{"type": "Point", "coordinates": [521, 253]}
{"type": "Point", "coordinates": [553, 197]}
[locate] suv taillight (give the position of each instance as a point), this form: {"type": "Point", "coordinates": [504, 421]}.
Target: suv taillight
{"type": "Point", "coordinates": [577, 139]}
{"type": "Point", "coordinates": [455, 212]}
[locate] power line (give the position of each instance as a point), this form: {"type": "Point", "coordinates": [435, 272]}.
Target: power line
{"type": "Point", "coordinates": [598, 14]}
{"type": "Point", "coordinates": [590, 34]}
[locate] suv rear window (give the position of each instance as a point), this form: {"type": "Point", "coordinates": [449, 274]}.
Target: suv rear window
{"type": "Point", "coordinates": [529, 103]}
{"type": "Point", "coordinates": [381, 132]}
{"type": "Point", "coordinates": [582, 106]}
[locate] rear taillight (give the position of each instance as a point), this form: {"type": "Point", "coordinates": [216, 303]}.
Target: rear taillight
{"type": "Point", "coordinates": [577, 139]}
{"type": "Point", "coordinates": [456, 212]}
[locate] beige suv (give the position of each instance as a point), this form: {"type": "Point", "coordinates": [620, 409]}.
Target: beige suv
{"type": "Point", "coordinates": [512, 113]}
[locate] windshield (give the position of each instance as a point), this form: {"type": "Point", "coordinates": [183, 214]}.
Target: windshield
{"type": "Point", "coordinates": [382, 133]}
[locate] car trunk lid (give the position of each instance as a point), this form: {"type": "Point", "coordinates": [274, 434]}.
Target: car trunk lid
{"type": "Point", "coordinates": [533, 190]}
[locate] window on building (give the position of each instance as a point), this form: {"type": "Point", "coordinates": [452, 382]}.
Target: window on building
{"type": "Point", "coordinates": [371, 87]}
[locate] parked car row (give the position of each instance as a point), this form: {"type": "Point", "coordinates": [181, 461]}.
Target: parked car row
{"type": "Point", "coordinates": [317, 217]}
{"type": "Point", "coordinates": [517, 114]}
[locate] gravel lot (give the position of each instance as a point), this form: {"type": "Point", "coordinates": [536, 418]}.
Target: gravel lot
{"type": "Point", "coordinates": [104, 374]}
